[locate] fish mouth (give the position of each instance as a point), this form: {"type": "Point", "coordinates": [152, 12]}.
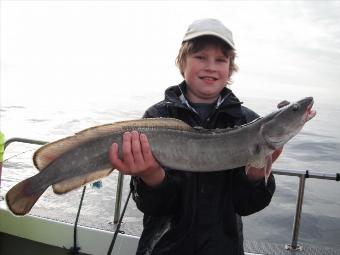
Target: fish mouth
{"type": "Point", "coordinates": [310, 113]}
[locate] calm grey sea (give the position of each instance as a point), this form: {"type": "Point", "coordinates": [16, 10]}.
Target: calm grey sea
{"type": "Point", "coordinates": [315, 148]}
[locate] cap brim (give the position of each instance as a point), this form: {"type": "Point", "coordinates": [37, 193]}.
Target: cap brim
{"type": "Point", "coordinates": [199, 34]}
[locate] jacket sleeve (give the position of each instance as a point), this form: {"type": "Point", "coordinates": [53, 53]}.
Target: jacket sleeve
{"type": "Point", "coordinates": [249, 196]}
{"type": "Point", "coordinates": [160, 200]}
{"type": "Point", "coordinates": [157, 201]}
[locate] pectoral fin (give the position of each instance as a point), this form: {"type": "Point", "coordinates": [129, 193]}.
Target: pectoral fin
{"type": "Point", "coordinates": [268, 168]}
{"type": "Point", "coordinates": [261, 162]}
{"type": "Point", "coordinates": [257, 161]}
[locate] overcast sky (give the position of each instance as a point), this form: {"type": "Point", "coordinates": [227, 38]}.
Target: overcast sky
{"type": "Point", "coordinates": [97, 50]}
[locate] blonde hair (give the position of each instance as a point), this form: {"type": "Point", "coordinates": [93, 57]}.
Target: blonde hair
{"type": "Point", "coordinates": [192, 46]}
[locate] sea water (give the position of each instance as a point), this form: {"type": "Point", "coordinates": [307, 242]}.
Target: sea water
{"type": "Point", "coordinates": [315, 148]}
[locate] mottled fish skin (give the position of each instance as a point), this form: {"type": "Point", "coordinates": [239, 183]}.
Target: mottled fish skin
{"type": "Point", "coordinates": [74, 161]}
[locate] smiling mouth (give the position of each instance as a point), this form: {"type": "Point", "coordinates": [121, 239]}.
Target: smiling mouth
{"type": "Point", "coordinates": [208, 78]}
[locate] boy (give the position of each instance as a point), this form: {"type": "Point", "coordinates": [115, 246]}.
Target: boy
{"type": "Point", "coordinates": [189, 212]}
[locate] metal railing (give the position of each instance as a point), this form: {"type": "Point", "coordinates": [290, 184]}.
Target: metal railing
{"type": "Point", "coordinates": [302, 174]}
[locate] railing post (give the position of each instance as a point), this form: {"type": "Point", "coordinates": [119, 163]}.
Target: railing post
{"type": "Point", "coordinates": [295, 236]}
{"type": "Point", "coordinates": [118, 197]}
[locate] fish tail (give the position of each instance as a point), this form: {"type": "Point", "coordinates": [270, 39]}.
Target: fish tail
{"type": "Point", "coordinates": [21, 197]}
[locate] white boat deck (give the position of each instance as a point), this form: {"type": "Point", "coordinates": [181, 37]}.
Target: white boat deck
{"type": "Point", "coordinates": [59, 233]}
{"type": "Point", "coordinates": [96, 238]}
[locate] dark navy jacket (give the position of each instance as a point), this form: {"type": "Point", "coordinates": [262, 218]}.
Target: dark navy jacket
{"type": "Point", "coordinates": [198, 213]}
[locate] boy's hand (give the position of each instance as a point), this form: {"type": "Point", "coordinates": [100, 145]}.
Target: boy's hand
{"type": "Point", "coordinates": [137, 159]}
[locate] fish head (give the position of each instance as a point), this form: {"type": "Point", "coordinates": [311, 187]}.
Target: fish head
{"type": "Point", "coordinates": [286, 122]}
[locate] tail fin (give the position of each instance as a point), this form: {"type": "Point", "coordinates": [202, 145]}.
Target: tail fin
{"type": "Point", "coordinates": [21, 198]}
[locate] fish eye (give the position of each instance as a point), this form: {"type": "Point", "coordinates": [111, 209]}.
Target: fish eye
{"type": "Point", "coordinates": [296, 107]}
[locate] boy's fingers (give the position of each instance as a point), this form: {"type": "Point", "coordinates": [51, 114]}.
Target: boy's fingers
{"type": "Point", "coordinates": [114, 158]}
{"type": "Point", "coordinates": [276, 153]}
{"type": "Point", "coordinates": [146, 149]}
{"type": "Point", "coordinates": [127, 154]}
{"type": "Point", "coordinates": [136, 149]}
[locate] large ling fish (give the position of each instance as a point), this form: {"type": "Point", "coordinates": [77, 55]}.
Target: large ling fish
{"type": "Point", "coordinates": [76, 160]}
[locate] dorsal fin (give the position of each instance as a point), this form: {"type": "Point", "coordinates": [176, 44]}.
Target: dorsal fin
{"type": "Point", "coordinates": [49, 152]}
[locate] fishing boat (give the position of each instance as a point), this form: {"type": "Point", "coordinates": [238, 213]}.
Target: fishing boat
{"type": "Point", "coordinates": [38, 233]}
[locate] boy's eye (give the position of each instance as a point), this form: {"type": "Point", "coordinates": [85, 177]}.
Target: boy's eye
{"type": "Point", "coordinates": [222, 60]}
{"type": "Point", "coordinates": [199, 57]}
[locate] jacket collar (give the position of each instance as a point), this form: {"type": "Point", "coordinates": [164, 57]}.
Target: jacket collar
{"type": "Point", "coordinates": [227, 101]}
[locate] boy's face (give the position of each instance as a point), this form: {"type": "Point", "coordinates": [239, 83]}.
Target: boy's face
{"type": "Point", "coordinates": [206, 73]}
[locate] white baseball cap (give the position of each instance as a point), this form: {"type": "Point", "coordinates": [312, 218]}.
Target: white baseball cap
{"type": "Point", "coordinates": [212, 27]}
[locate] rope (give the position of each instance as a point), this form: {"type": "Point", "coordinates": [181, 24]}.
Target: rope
{"type": "Point", "coordinates": [16, 155]}
{"type": "Point", "coordinates": [118, 225]}
{"type": "Point", "coordinates": [75, 249]}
